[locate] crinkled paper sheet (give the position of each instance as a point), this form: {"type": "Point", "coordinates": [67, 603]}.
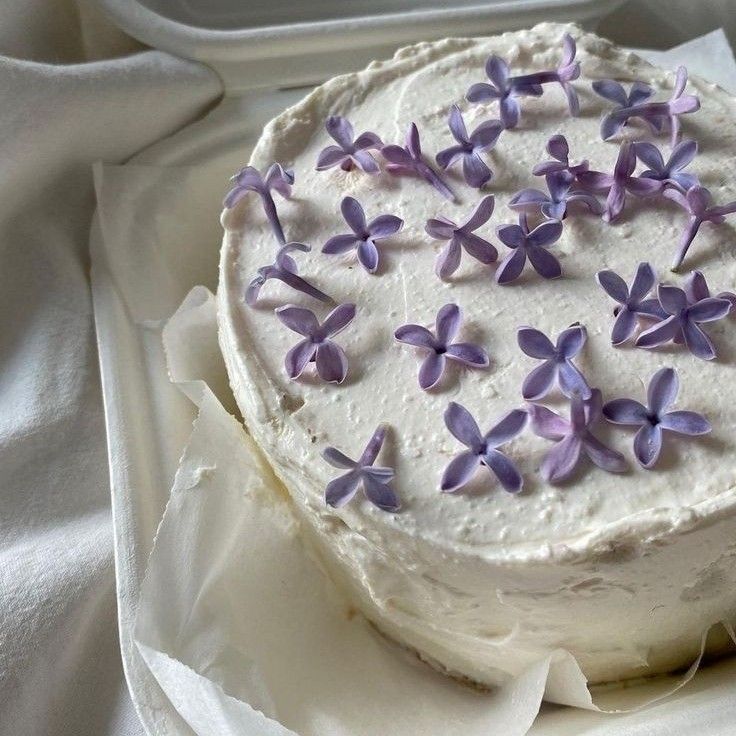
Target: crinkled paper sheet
{"type": "Point", "coordinates": [239, 627]}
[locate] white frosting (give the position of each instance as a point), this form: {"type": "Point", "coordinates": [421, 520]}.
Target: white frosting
{"type": "Point", "coordinates": [624, 571]}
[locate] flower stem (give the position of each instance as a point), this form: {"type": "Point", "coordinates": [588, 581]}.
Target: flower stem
{"type": "Point", "coordinates": [269, 207]}
{"type": "Point", "coordinates": [687, 238]}
{"type": "Point", "coordinates": [436, 181]}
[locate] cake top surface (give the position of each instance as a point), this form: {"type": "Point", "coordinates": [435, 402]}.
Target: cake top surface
{"type": "Point", "coordinates": [294, 420]}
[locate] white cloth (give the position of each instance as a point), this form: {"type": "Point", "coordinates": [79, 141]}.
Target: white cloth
{"type": "Point", "coordinates": [60, 670]}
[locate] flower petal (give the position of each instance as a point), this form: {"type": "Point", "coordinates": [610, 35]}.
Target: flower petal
{"type": "Point", "coordinates": [640, 92]}
{"type": "Point", "coordinates": [440, 228]}
{"type": "Point", "coordinates": [558, 148]}
{"type": "Point", "coordinates": [298, 319]}
{"type": "Point", "coordinates": [545, 234]}
{"type": "Point", "coordinates": [611, 90]}
{"type": "Point", "coordinates": [685, 422]}
{"type": "Point", "coordinates": [480, 215]}
{"type": "Point", "coordinates": [329, 157]}
{"type": "Point", "coordinates": [397, 155]}
{"type": "Point", "coordinates": [341, 130]}
{"type": "Point", "coordinates": [662, 391]}
{"type": "Point", "coordinates": [535, 343]}
{"type": "Point", "coordinates": [298, 357]}
{"type": "Point", "coordinates": [384, 225]}
{"type": "Point", "coordinates": [545, 264]}
{"type": "Point", "coordinates": [486, 134]}
{"type": "Point", "coordinates": [512, 236]}
{"type": "Point", "coordinates": [373, 447]}
{"type": "Point", "coordinates": [337, 459]}
{"type": "Point", "coordinates": [507, 428]}
{"type": "Point", "coordinates": [447, 323]}
{"type": "Point", "coordinates": [341, 490]}
{"type": "Point", "coordinates": [511, 266]}
{"type": "Point", "coordinates": [448, 156]}
{"type": "Point", "coordinates": [613, 285]}
{"type": "Point", "coordinates": [368, 255]}
{"type": "Point", "coordinates": [698, 343]}
{"type": "Point", "coordinates": [366, 162]}
{"type": "Point", "coordinates": [643, 281]}
{"type": "Point", "coordinates": [475, 170]}
{"type": "Point", "coordinates": [459, 471]}
{"type": "Point", "coordinates": [682, 154]}
{"type": "Point", "coordinates": [504, 469]}
{"type": "Point", "coordinates": [340, 244]}
{"type": "Point", "coordinates": [353, 213]}
{"type": "Point", "coordinates": [367, 140]}
{"type": "Point", "coordinates": [456, 124]}
{"type": "Point", "coordinates": [672, 298]}
{"type": "Point", "coordinates": [696, 287]}
{"type": "Point", "coordinates": [469, 354]}
{"type": "Point", "coordinates": [659, 334]}
{"type": "Point", "coordinates": [624, 326]}
{"type": "Point", "coordinates": [497, 70]}
{"type": "Point", "coordinates": [338, 319]}
{"type": "Point", "coordinates": [572, 381]}
{"type": "Point", "coordinates": [528, 199]}
{"type": "Point", "coordinates": [709, 309]}
{"type": "Point", "coordinates": [560, 462]}
{"type": "Point", "coordinates": [604, 457]}
{"type": "Point", "coordinates": [478, 248]}
{"type": "Point", "coordinates": [510, 111]}
{"type": "Point", "coordinates": [431, 370]}
{"type": "Point", "coordinates": [380, 494]}
{"type": "Point", "coordinates": [481, 92]}
{"type": "Point", "coordinates": [416, 335]}
{"type": "Point", "coordinates": [547, 423]}
{"type": "Point", "coordinates": [540, 381]}
{"type": "Point", "coordinates": [650, 156]}
{"type": "Point", "coordinates": [462, 425]}
{"type": "Point", "coordinates": [625, 411]}
{"type": "Point", "coordinates": [648, 445]}
{"type": "Point", "coordinates": [448, 259]}
{"type": "Point", "coordinates": [571, 341]}
{"type": "Point", "coordinates": [331, 362]}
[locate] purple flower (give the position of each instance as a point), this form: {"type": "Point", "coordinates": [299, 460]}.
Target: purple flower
{"type": "Point", "coordinates": [558, 148]}
{"type": "Point", "coordinates": [684, 319]}
{"type": "Point", "coordinates": [440, 347]}
{"type": "Point", "coordinates": [532, 245]}
{"type": "Point", "coordinates": [698, 203]}
{"type": "Point", "coordinates": [615, 92]}
{"type": "Point", "coordinates": [554, 205]}
{"type": "Point", "coordinates": [348, 153]}
{"type": "Point", "coordinates": [633, 302]}
{"type": "Point", "coordinates": [469, 148]}
{"type": "Point", "coordinates": [409, 161]}
{"type": "Point", "coordinates": [364, 236]}
{"type": "Point", "coordinates": [557, 366]}
{"type": "Point", "coordinates": [482, 449]}
{"type": "Point", "coordinates": [376, 481]}
{"type": "Point", "coordinates": [283, 269]}
{"type": "Point", "coordinates": [574, 439]}
{"type": "Point", "coordinates": [619, 182]}
{"type": "Point", "coordinates": [655, 419]}
{"type": "Point", "coordinates": [249, 179]}
{"type": "Point", "coordinates": [670, 172]}
{"type": "Point", "coordinates": [462, 236]}
{"type": "Point", "coordinates": [329, 358]}
{"type": "Point", "coordinates": [503, 88]}
{"type": "Point", "coordinates": [654, 113]}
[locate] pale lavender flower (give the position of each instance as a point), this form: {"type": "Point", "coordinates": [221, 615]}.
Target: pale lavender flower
{"type": "Point", "coordinates": [615, 92]}
{"type": "Point", "coordinates": [348, 153]}
{"type": "Point", "coordinates": [409, 160]}
{"type": "Point", "coordinates": [633, 301]}
{"type": "Point", "coordinates": [554, 204]}
{"type": "Point", "coordinates": [669, 172]}
{"type": "Point", "coordinates": [376, 481]}
{"type": "Point", "coordinates": [533, 245]}
{"type": "Point", "coordinates": [575, 439]}
{"type": "Point", "coordinates": [470, 147]}
{"type": "Point", "coordinates": [685, 319]}
{"type": "Point", "coordinates": [462, 236]}
{"type": "Point", "coordinates": [505, 89]}
{"type": "Point", "coordinates": [698, 203]}
{"type": "Point", "coordinates": [655, 113]}
{"type": "Point", "coordinates": [557, 365]}
{"type": "Point", "coordinates": [482, 449]}
{"type": "Point", "coordinates": [284, 269]}
{"type": "Point", "coordinates": [558, 148]}
{"type": "Point", "coordinates": [440, 346]}
{"type": "Point", "coordinates": [329, 358]}
{"type": "Point", "coordinates": [364, 235]}
{"type": "Point", "coordinates": [249, 179]}
{"type": "Point", "coordinates": [655, 419]}
{"type": "Point", "coordinates": [622, 180]}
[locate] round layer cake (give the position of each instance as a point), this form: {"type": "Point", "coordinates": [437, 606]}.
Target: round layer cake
{"type": "Point", "coordinates": [624, 569]}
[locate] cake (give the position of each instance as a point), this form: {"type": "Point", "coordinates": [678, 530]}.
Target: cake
{"type": "Point", "coordinates": [512, 482]}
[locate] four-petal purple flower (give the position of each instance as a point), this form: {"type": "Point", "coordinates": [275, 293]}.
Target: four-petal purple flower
{"type": "Point", "coordinates": [669, 172]}
{"type": "Point", "coordinates": [470, 147]}
{"type": "Point", "coordinates": [574, 439]}
{"type": "Point", "coordinates": [554, 204]}
{"type": "Point", "coordinates": [698, 203]}
{"type": "Point", "coordinates": [557, 366]}
{"type": "Point", "coordinates": [462, 236]}
{"type": "Point", "coordinates": [440, 346]}
{"type": "Point", "coordinates": [613, 91]}
{"type": "Point", "coordinates": [558, 148]}
{"type": "Point", "coordinates": [482, 449]}
{"type": "Point", "coordinates": [376, 481]}
{"type": "Point", "coordinates": [348, 153]}
{"type": "Point", "coordinates": [655, 419]}
{"type": "Point", "coordinates": [532, 245]}
{"type": "Point", "coordinates": [329, 358]}
{"type": "Point", "coordinates": [684, 320]}
{"type": "Point", "coordinates": [249, 179]}
{"type": "Point", "coordinates": [364, 235]}
{"type": "Point", "coordinates": [633, 302]}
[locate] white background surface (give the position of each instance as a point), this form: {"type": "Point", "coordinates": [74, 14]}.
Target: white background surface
{"type": "Point", "coordinates": [59, 667]}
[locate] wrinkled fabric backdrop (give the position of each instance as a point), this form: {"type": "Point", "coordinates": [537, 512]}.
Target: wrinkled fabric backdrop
{"type": "Point", "coordinates": [74, 90]}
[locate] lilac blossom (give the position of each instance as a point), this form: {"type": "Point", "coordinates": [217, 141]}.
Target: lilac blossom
{"type": "Point", "coordinates": [283, 269]}
{"type": "Point", "coordinates": [249, 179]}
{"type": "Point", "coordinates": [470, 147]}
{"type": "Point", "coordinates": [558, 148]}
{"type": "Point", "coordinates": [348, 153]}
{"type": "Point", "coordinates": [615, 92]}
{"type": "Point", "coordinates": [669, 172]}
{"type": "Point", "coordinates": [557, 365]}
{"type": "Point", "coordinates": [505, 89]}
{"type": "Point", "coordinates": [376, 481]}
{"type": "Point", "coordinates": [698, 203]}
{"type": "Point", "coordinates": [633, 302]}
{"type": "Point", "coordinates": [329, 358]}
{"type": "Point", "coordinates": [364, 235]}
{"type": "Point", "coordinates": [685, 319]}
{"type": "Point", "coordinates": [575, 439]}
{"type": "Point", "coordinates": [408, 160]}
{"type": "Point", "coordinates": [655, 113]}
{"type": "Point", "coordinates": [554, 204]}
{"type": "Point", "coordinates": [622, 180]}
{"type": "Point", "coordinates": [482, 449]}
{"type": "Point", "coordinates": [532, 245]}
{"type": "Point", "coordinates": [462, 236]}
{"type": "Point", "coordinates": [655, 419]}
{"type": "Point", "coordinates": [440, 346]}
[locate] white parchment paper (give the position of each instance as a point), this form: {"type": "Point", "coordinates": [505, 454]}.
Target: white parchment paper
{"type": "Point", "coordinates": [237, 624]}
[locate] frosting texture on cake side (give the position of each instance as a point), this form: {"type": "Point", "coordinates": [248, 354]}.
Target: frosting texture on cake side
{"type": "Point", "coordinates": [624, 570]}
